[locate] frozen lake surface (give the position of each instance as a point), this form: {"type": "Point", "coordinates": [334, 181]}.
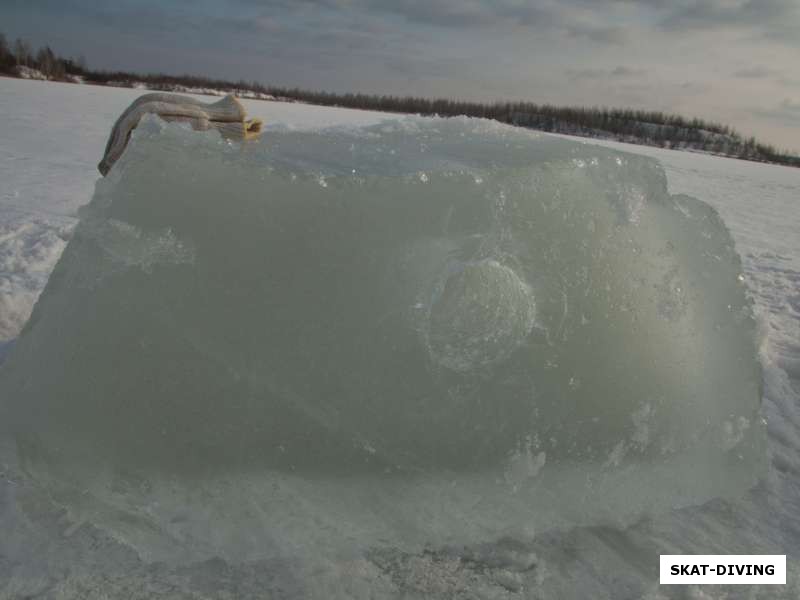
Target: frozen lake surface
{"type": "Point", "coordinates": [51, 137]}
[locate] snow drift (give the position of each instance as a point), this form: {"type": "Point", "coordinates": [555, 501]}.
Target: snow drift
{"type": "Point", "coordinates": [502, 328]}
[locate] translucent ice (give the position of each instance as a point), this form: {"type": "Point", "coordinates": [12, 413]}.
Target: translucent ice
{"type": "Point", "coordinates": [502, 328]}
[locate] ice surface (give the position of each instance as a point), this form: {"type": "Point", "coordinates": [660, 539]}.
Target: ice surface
{"type": "Point", "coordinates": [507, 329]}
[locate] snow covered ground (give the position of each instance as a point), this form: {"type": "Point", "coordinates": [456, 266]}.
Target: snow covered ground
{"type": "Point", "coordinates": [51, 138]}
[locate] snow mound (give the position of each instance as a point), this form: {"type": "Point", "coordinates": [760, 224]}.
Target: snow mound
{"type": "Point", "coordinates": [26, 72]}
{"type": "Point", "coordinates": [29, 249]}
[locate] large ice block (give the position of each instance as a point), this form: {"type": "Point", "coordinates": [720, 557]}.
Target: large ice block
{"type": "Point", "coordinates": [419, 304]}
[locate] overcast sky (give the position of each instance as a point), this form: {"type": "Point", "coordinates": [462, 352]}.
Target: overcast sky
{"type": "Point", "coordinates": [734, 61]}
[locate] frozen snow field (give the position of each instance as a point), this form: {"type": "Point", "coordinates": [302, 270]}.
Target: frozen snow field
{"type": "Point", "coordinates": [52, 136]}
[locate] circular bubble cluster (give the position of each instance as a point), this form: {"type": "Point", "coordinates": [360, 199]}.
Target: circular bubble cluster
{"type": "Point", "coordinates": [481, 312]}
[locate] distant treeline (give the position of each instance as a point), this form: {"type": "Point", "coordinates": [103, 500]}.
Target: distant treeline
{"type": "Point", "coordinates": [636, 126]}
{"type": "Point", "coordinates": [20, 55]}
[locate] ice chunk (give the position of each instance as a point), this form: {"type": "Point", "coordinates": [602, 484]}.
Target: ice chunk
{"type": "Point", "coordinates": [220, 310]}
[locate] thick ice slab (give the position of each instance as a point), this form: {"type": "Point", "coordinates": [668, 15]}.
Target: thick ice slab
{"type": "Point", "coordinates": [504, 329]}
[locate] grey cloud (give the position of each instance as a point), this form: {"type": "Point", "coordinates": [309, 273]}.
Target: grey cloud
{"type": "Point", "coordinates": [565, 16]}
{"type": "Point", "coordinates": [773, 19]}
{"type": "Point", "coordinates": [696, 87]}
{"type": "Point", "coordinates": [603, 35]}
{"type": "Point", "coordinates": [444, 13]}
{"type": "Point", "coordinates": [762, 73]}
{"type": "Point", "coordinates": [594, 20]}
{"type": "Point", "coordinates": [627, 72]}
{"type": "Point", "coordinates": [619, 72]}
{"type": "Point", "coordinates": [758, 72]}
{"type": "Point", "coordinates": [787, 113]}
{"type": "Point", "coordinates": [587, 73]}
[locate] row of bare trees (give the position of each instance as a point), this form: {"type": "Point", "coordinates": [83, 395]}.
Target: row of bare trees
{"type": "Point", "coordinates": [21, 54]}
